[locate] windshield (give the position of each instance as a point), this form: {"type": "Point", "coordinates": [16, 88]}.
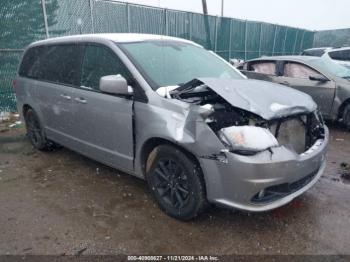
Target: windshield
{"type": "Point", "coordinates": [326, 64]}
{"type": "Point", "coordinates": [169, 63]}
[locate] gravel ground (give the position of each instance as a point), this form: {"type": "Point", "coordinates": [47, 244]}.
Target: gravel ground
{"type": "Point", "coordinates": [63, 203]}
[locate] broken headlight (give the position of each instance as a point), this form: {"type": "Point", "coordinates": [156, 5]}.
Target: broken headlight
{"type": "Point", "coordinates": [247, 140]}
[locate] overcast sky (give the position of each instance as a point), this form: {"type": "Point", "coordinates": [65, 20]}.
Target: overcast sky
{"type": "Point", "coordinates": [307, 14]}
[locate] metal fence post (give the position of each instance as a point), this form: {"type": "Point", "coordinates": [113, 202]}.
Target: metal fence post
{"type": "Point", "coordinates": [260, 39]}
{"type": "Point", "coordinates": [295, 42]}
{"type": "Point", "coordinates": [216, 34]}
{"type": "Point", "coordinates": [45, 19]}
{"type": "Point", "coordinates": [230, 41]}
{"type": "Point", "coordinates": [245, 40]}
{"type": "Point", "coordinates": [128, 16]}
{"type": "Point", "coordinates": [166, 21]}
{"type": "Point", "coordinates": [274, 41]}
{"type": "Point", "coordinates": [91, 5]}
{"type": "Point", "coordinates": [190, 25]}
{"type": "Point", "coordinates": [285, 40]}
{"type": "Point", "coordinates": [301, 42]}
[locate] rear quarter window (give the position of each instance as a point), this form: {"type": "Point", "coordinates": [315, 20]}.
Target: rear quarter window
{"type": "Point", "coordinates": [30, 62]}
{"type": "Point", "coordinates": [53, 63]}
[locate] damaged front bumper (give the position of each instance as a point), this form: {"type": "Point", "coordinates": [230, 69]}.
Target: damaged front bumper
{"type": "Point", "coordinates": [266, 180]}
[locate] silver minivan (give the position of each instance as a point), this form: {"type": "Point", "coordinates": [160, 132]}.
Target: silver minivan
{"type": "Point", "coordinates": [166, 110]}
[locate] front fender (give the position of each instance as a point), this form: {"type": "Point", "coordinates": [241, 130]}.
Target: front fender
{"type": "Point", "coordinates": [182, 126]}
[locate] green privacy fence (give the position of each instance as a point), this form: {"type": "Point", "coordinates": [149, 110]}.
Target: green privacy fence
{"type": "Point", "coordinates": [333, 38]}
{"type": "Point", "coordinates": [24, 21]}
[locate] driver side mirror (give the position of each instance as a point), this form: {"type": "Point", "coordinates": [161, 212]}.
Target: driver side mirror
{"type": "Point", "coordinates": [115, 84]}
{"type": "Point", "coordinates": [319, 78]}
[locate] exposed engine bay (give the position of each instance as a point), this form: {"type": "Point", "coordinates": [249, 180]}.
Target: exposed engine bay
{"type": "Point", "coordinates": [248, 133]}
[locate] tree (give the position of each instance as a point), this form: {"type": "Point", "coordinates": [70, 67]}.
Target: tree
{"type": "Point", "coordinates": [22, 21]}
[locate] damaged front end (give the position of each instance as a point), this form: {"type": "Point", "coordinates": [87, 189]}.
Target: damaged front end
{"type": "Point", "coordinates": [247, 133]}
{"type": "Point", "coordinates": [273, 141]}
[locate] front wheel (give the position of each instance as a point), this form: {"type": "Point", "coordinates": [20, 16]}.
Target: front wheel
{"type": "Point", "coordinates": [176, 182]}
{"type": "Point", "coordinates": [346, 117]}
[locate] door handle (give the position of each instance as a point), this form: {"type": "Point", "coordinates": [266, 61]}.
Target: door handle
{"type": "Point", "coordinates": [66, 96]}
{"type": "Point", "coordinates": [80, 100]}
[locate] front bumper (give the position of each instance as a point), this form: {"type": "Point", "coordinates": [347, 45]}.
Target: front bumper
{"type": "Point", "coordinates": [240, 179]}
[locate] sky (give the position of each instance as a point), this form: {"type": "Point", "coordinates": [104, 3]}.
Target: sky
{"type": "Point", "coordinates": [306, 14]}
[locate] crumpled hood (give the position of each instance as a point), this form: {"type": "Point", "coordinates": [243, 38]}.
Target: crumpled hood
{"type": "Point", "coordinates": [265, 99]}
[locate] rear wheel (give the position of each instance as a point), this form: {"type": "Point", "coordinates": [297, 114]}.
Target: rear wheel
{"type": "Point", "coordinates": [346, 117]}
{"type": "Point", "coordinates": [176, 183]}
{"type": "Point", "coordinates": [35, 132]}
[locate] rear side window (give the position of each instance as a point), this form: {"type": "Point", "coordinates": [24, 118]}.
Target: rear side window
{"type": "Point", "coordinates": [266, 67]}
{"type": "Point", "coordinates": [54, 63]}
{"type": "Point", "coordinates": [99, 61]}
{"type": "Point", "coordinates": [342, 55]}
{"type": "Point", "coordinates": [297, 70]}
{"type": "Point", "coordinates": [31, 61]}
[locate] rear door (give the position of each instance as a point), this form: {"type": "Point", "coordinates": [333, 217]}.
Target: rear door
{"type": "Point", "coordinates": [56, 68]}
{"type": "Point", "coordinates": [297, 75]}
{"type": "Point", "coordinates": [103, 123]}
{"type": "Point", "coordinates": [260, 70]}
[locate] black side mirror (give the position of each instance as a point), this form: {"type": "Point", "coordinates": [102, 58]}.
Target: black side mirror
{"type": "Point", "coordinates": [319, 78]}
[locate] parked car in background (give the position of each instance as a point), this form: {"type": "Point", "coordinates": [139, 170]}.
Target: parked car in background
{"type": "Point", "coordinates": [317, 51]}
{"type": "Point", "coordinates": [339, 55]}
{"type": "Point", "coordinates": [324, 80]}
{"type": "Point", "coordinates": [166, 110]}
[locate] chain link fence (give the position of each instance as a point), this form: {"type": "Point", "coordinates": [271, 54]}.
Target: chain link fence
{"type": "Point", "coordinates": [24, 21]}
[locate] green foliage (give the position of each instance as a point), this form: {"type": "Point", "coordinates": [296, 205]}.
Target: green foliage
{"type": "Point", "coordinates": [22, 21]}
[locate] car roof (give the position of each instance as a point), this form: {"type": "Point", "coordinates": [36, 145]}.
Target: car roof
{"type": "Point", "coordinates": [297, 58]}
{"type": "Point", "coordinates": [318, 48]}
{"type": "Point", "coordinates": [339, 49]}
{"type": "Point", "coordinates": [114, 37]}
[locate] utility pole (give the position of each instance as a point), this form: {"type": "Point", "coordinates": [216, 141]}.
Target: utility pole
{"type": "Point", "coordinates": [205, 9]}
{"type": "Point", "coordinates": [206, 23]}
{"type": "Point", "coordinates": [222, 8]}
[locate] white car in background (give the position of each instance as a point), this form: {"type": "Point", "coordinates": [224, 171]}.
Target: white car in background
{"type": "Point", "coordinates": [339, 55]}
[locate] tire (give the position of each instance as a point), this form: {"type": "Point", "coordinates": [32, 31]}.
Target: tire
{"type": "Point", "coordinates": [176, 183]}
{"type": "Point", "coordinates": [346, 117]}
{"type": "Point", "coordinates": [35, 132]}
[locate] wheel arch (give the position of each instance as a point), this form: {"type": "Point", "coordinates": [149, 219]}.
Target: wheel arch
{"type": "Point", "coordinates": [149, 145]}
{"type": "Point", "coordinates": [25, 108]}
{"type": "Point", "coordinates": [342, 107]}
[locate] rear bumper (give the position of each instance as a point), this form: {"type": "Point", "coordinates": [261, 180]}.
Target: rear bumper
{"type": "Point", "coordinates": [238, 182]}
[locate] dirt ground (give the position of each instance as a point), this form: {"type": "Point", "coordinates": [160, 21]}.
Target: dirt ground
{"type": "Point", "coordinates": [63, 203]}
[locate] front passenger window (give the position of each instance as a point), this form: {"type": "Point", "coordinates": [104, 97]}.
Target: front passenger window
{"type": "Point", "coordinates": [98, 62]}
{"type": "Point", "coordinates": [266, 67]}
{"type": "Point", "coordinates": [297, 70]}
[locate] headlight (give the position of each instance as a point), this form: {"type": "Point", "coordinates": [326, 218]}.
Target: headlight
{"type": "Point", "coordinates": [247, 139]}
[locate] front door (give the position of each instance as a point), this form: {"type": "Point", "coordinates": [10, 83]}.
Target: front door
{"type": "Point", "coordinates": [103, 123]}
{"type": "Point", "coordinates": [297, 75]}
